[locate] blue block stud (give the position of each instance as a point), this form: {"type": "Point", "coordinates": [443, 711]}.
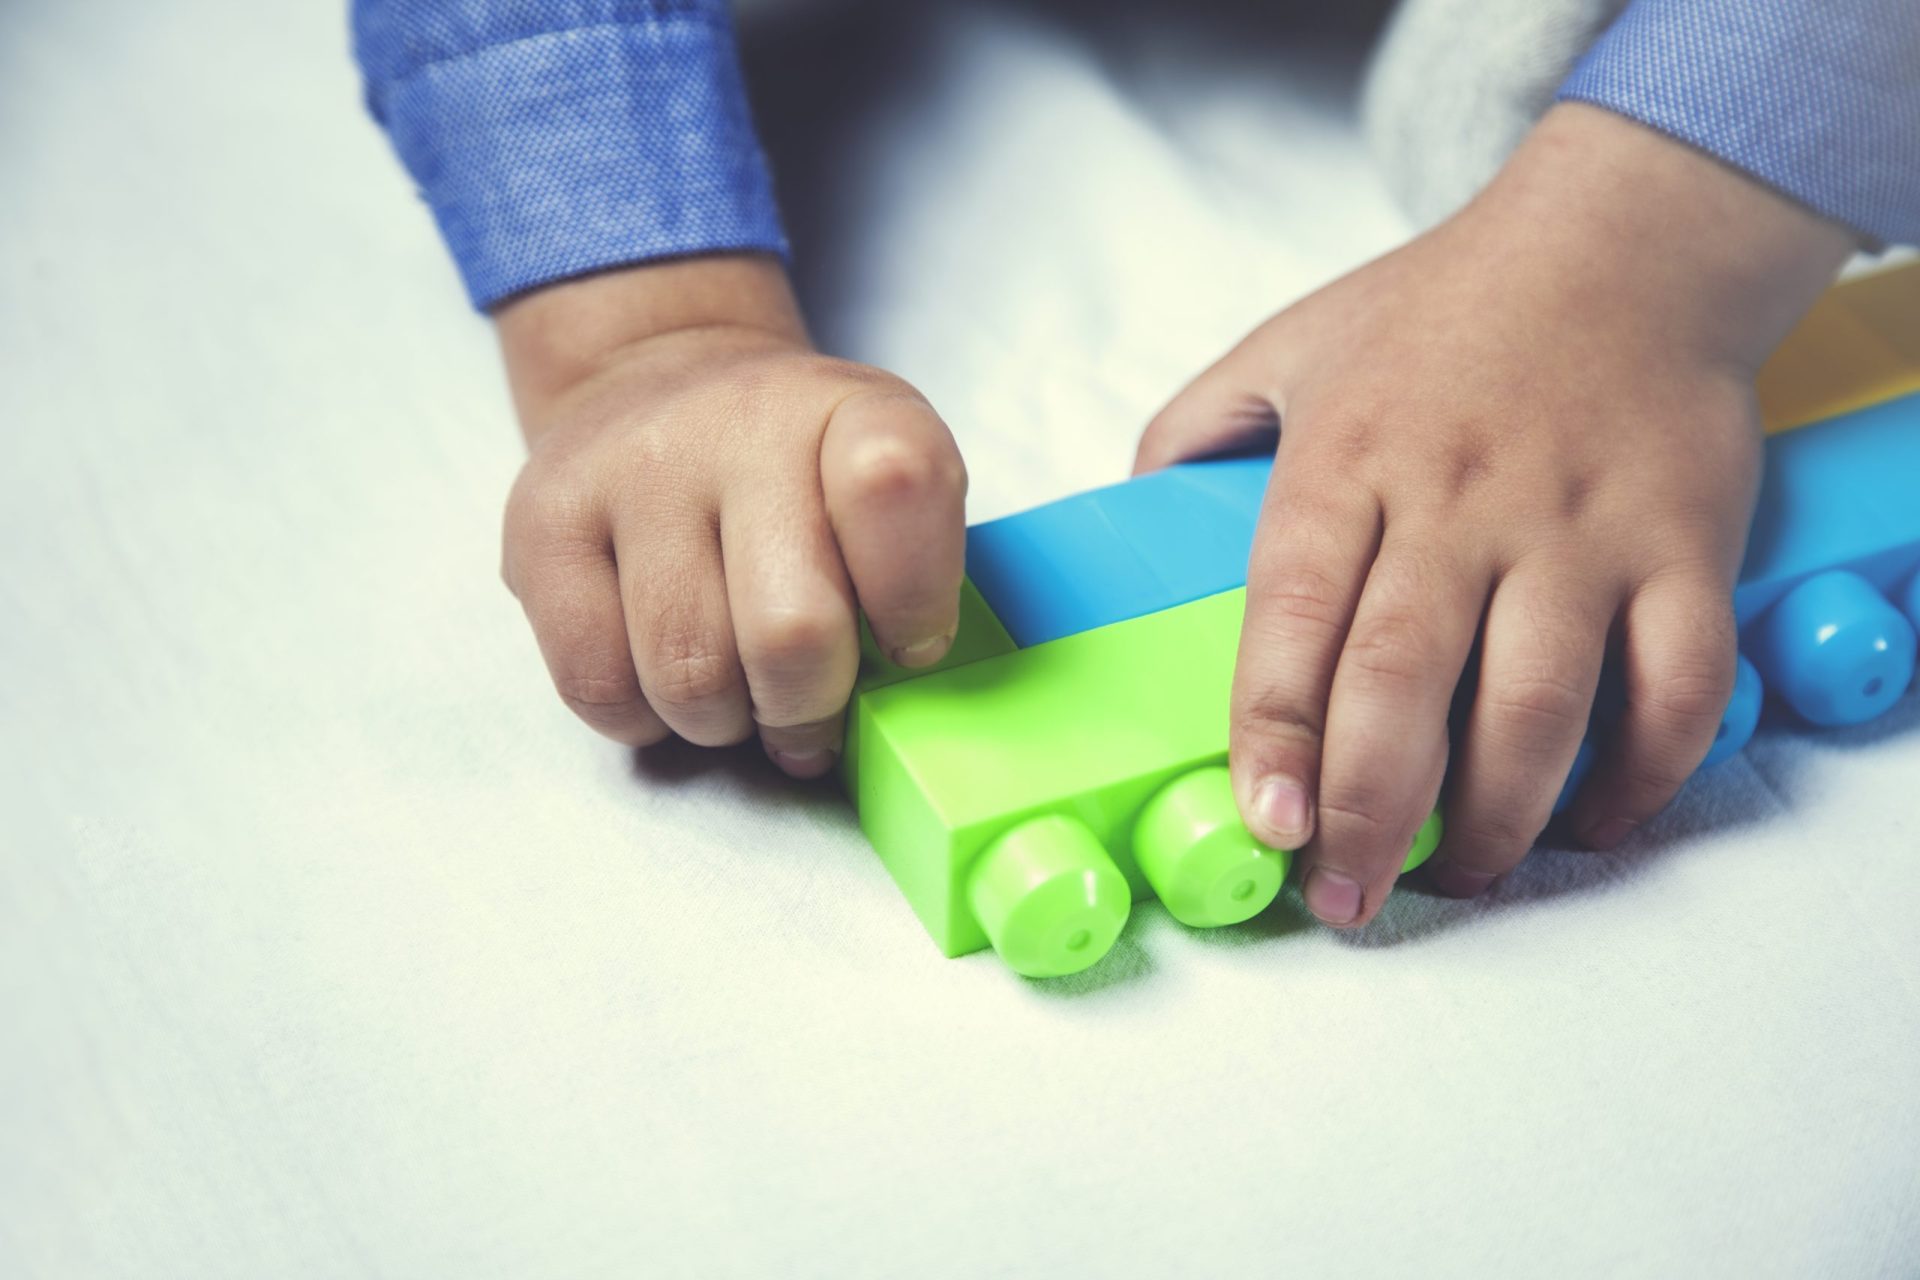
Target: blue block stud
{"type": "Point", "coordinates": [1741, 717]}
{"type": "Point", "coordinates": [1835, 650]}
{"type": "Point", "coordinates": [1909, 599]}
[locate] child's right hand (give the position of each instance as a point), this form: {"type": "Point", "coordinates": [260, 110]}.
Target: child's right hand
{"type": "Point", "coordinates": [708, 500]}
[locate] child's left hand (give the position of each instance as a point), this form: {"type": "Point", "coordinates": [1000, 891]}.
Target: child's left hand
{"type": "Point", "coordinates": [1536, 422]}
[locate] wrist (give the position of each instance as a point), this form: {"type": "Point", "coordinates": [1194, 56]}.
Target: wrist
{"type": "Point", "coordinates": [555, 337]}
{"type": "Point", "coordinates": [1714, 260]}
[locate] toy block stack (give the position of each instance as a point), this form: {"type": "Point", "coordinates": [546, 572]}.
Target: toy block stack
{"type": "Point", "coordinates": [1068, 757]}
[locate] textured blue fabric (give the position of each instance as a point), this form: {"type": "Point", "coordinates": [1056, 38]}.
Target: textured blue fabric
{"type": "Point", "coordinates": [556, 137]}
{"type": "Point", "coordinates": [1817, 98]}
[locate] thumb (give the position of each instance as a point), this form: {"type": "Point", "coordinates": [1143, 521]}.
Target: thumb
{"type": "Point", "coordinates": [1231, 405]}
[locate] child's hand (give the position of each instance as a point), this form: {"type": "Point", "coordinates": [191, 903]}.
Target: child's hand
{"type": "Point", "coordinates": [1536, 420]}
{"type": "Point", "coordinates": [707, 500]}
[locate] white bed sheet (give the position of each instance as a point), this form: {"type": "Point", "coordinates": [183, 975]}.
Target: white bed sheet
{"type": "Point", "coordinates": [331, 946]}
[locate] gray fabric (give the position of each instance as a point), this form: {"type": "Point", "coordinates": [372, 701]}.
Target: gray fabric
{"type": "Point", "coordinates": [1455, 85]}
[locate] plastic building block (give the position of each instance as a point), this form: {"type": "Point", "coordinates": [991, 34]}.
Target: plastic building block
{"type": "Point", "coordinates": [1843, 493]}
{"type": "Point", "coordinates": [979, 635]}
{"type": "Point", "coordinates": [1067, 757]}
{"type": "Point", "coordinates": [1023, 801]}
{"type": "Point", "coordinates": [1830, 564]}
{"type": "Point", "coordinates": [1858, 345]}
{"type": "Point", "coordinates": [1828, 599]}
{"type": "Point", "coordinates": [1127, 550]}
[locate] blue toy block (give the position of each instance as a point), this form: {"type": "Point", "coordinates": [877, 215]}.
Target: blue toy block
{"type": "Point", "coordinates": [1828, 598]}
{"type": "Point", "coordinates": [1842, 493]}
{"type": "Point", "coordinates": [1130, 549]}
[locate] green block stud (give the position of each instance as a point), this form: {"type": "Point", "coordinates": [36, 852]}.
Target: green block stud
{"type": "Point", "coordinates": [1425, 841]}
{"type": "Point", "coordinates": [1203, 864]}
{"type": "Point", "coordinates": [1021, 799]}
{"type": "Point", "coordinates": [1049, 898]}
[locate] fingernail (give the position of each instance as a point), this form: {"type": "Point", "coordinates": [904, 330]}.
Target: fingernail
{"type": "Point", "coordinates": [1608, 832]}
{"type": "Point", "coordinates": [803, 764]}
{"type": "Point", "coordinates": [1457, 881]}
{"type": "Point", "coordinates": [1281, 804]}
{"type": "Point", "coordinates": [1332, 896]}
{"type": "Point", "coordinates": [922, 653]}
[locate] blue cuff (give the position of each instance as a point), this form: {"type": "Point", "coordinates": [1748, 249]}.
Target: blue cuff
{"type": "Point", "coordinates": [1819, 99]}
{"type": "Point", "coordinates": [559, 152]}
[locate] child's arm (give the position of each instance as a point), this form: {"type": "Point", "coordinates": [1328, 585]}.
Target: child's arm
{"type": "Point", "coordinates": [1535, 421]}
{"type": "Point", "coordinates": [706, 498]}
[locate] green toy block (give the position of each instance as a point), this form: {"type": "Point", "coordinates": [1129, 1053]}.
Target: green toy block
{"type": "Point", "coordinates": [1023, 801]}
{"type": "Point", "coordinates": [980, 635]}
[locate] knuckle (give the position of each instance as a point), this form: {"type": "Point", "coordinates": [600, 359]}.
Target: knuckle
{"type": "Point", "coordinates": [606, 717]}
{"type": "Point", "coordinates": [1359, 810]}
{"type": "Point", "coordinates": [587, 689]}
{"type": "Point", "coordinates": [1649, 782]}
{"type": "Point", "coordinates": [1390, 647]}
{"type": "Point", "coordinates": [1303, 596]}
{"type": "Point", "coordinates": [1690, 694]}
{"type": "Point", "coordinates": [1269, 715]}
{"type": "Point", "coordinates": [888, 467]}
{"type": "Point", "coordinates": [796, 638]}
{"type": "Point", "coordinates": [1354, 441]}
{"type": "Point", "coordinates": [1275, 720]}
{"type": "Point", "coordinates": [1496, 836]}
{"type": "Point", "coordinates": [658, 458]}
{"type": "Point", "coordinates": [544, 509]}
{"type": "Point", "coordinates": [1537, 706]}
{"type": "Point", "coordinates": [610, 704]}
{"type": "Point", "coordinates": [688, 675]}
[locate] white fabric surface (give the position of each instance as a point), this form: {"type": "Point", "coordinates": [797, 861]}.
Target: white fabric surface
{"type": "Point", "coordinates": [1456, 84]}
{"type": "Point", "coordinates": [331, 946]}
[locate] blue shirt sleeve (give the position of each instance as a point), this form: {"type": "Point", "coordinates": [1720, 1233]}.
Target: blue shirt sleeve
{"type": "Point", "coordinates": [556, 137]}
{"type": "Point", "coordinates": [1819, 99]}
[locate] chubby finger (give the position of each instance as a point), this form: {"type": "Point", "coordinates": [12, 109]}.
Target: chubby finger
{"type": "Point", "coordinates": [1310, 559]}
{"type": "Point", "coordinates": [680, 628]}
{"type": "Point", "coordinates": [1678, 662]}
{"type": "Point", "coordinates": [793, 619]}
{"type": "Point", "coordinates": [1229, 405]}
{"type": "Point", "coordinates": [1386, 742]}
{"type": "Point", "coordinates": [559, 565]}
{"type": "Point", "coordinates": [1544, 642]}
{"type": "Point", "coordinates": [895, 492]}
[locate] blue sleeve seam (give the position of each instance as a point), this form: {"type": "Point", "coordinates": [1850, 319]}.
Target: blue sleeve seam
{"type": "Point", "coordinates": [716, 26]}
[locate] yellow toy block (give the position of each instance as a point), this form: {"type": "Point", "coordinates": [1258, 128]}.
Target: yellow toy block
{"type": "Point", "coordinates": [1858, 346]}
